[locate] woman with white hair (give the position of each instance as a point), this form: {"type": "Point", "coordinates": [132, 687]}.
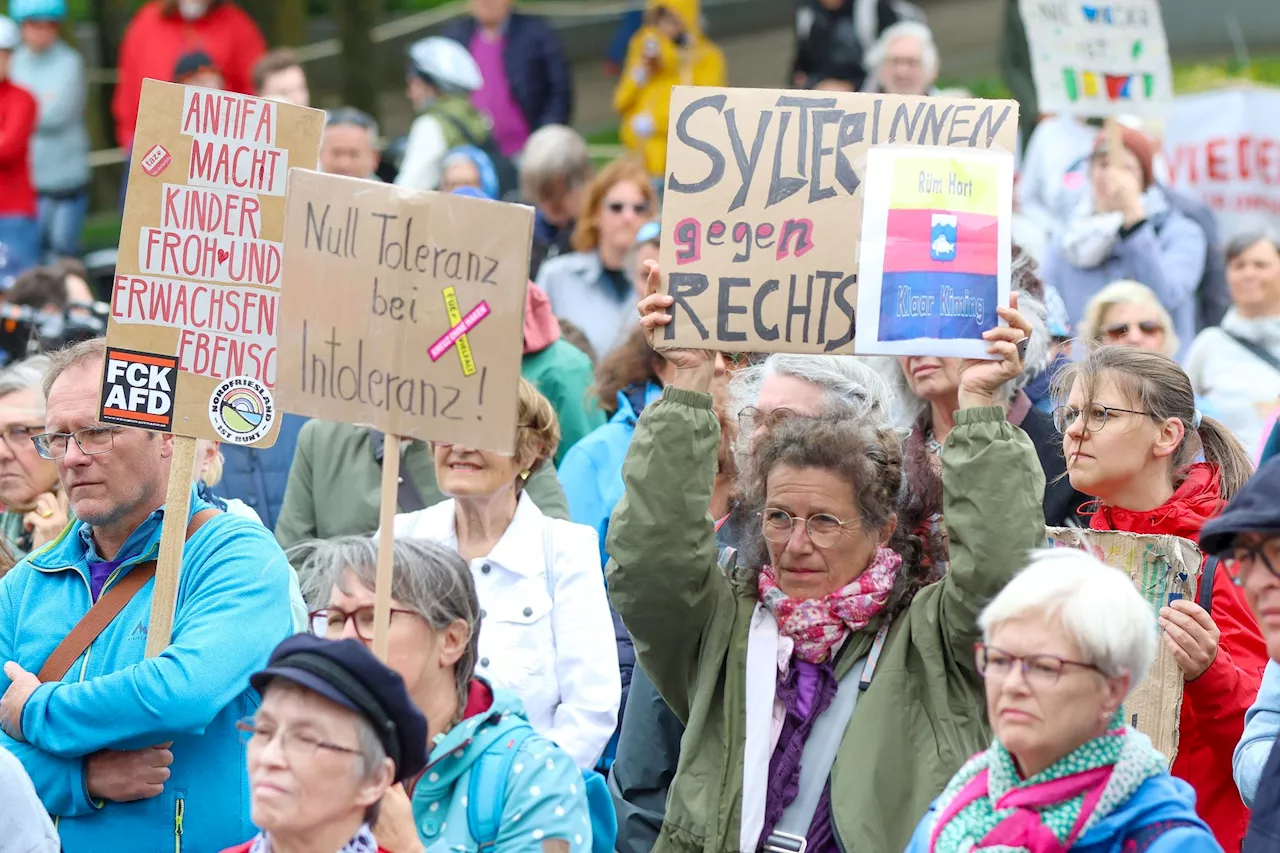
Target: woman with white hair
{"type": "Point", "coordinates": [903, 61]}
{"type": "Point", "coordinates": [1063, 644]}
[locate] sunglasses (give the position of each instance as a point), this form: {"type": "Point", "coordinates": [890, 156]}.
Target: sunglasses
{"type": "Point", "coordinates": [617, 207]}
{"type": "Point", "coordinates": [1119, 330]}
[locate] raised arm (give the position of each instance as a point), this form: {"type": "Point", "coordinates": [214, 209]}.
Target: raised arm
{"type": "Point", "coordinates": [993, 488]}
{"type": "Point", "coordinates": [663, 576]}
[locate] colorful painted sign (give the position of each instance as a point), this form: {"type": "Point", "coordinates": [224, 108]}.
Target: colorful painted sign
{"type": "Point", "coordinates": [1098, 58]}
{"type": "Point", "coordinates": [935, 250]}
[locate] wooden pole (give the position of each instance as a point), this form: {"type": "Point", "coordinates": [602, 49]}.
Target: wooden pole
{"type": "Point", "coordinates": [173, 536]}
{"type": "Point", "coordinates": [386, 542]}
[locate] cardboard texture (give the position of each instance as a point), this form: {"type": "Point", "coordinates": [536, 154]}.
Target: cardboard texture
{"type": "Point", "coordinates": [762, 214]}
{"type": "Point", "coordinates": [1163, 568]}
{"type": "Point", "coordinates": [199, 270]}
{"type": "Point", "coordinates": [936, 250]}
{"type": "Point", "coordinates": [1099, 59]}
{"type": "Point", "coordinates": [404, 310]}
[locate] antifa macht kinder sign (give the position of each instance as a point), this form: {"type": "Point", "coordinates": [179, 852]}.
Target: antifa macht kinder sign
{"type": "Point", "coordinates": [762, 216]}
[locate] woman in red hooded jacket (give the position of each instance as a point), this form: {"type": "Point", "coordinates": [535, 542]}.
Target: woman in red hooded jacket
{"type": "Point", "coordinates": [163, 31]}
{"type": "Point", "coordinates": [1131, 435]}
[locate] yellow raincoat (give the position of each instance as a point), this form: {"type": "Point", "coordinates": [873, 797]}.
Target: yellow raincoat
{"type": "Point", "coordinates": [655, 64]}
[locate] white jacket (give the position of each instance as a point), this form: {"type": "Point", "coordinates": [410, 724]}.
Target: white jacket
{"type": "Point", "coordinates": [546, 633]}
{"type": "Point", "coordinates": [1242, 389]}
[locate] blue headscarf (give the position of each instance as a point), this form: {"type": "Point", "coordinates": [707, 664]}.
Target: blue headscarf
{"type": "Point", "coordinates": [483, 164]}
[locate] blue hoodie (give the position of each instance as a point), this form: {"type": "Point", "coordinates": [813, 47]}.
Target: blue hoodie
{"type": "Point", "coordinates": [1160, 799]}
{"type": "Point", "coordinates": [545, 797]}
{"type": "Point", "coordinates": [591, 472]}
{"type": "Point", "coordinates": [232, 609]}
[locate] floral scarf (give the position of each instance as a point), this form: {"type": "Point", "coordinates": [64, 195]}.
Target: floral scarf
{"type": "Point", "coordinates": [987, 806]}
{"type": "Point", "coordinates": [362, 842]}
{"type": "Point", "coordinates": [817, 625]}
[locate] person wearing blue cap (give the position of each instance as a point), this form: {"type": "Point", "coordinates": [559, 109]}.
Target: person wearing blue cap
{"type": "Point", "coordinates": [335, 730]}
{"type": "Point", "coordinates": [54, 72]}
{"type": "Point", "coordinates": [468, 167]}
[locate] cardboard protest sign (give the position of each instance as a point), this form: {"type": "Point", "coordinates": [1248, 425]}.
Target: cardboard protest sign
{"type": "Point", "coordinates": [195, 307]}
{"type": "Point", "coordinates": [1224, 147]}
{"type": "Point", "coordinates": [763, 207]}
{"type": "Point", "coordinates": [404, 310]}
{"type": "Point", "coordinates": [1098, 59]}
{"type": "Point", "coordinates": [936, 250]}
{"type": "Point", "coordinates": [1164, 569]}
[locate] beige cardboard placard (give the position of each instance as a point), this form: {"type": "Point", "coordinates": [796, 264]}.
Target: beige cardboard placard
{"type": "Point", "coordinates": [195, 307]}
{"type": "Point", "coordinates": [1163, 568]}
{"type": "Point", "coordinates": [404, 310]}
{"type": "Point", "coordinates": [762, 215]}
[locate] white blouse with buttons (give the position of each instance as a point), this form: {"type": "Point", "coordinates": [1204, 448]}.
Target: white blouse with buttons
{"type": "Point", "coordinates": [546, 632]}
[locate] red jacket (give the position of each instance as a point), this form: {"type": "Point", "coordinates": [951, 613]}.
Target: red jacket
{"type": "Point", "coordinates": [1213, 705]}
{"type": "Point", "coordinates": [155, 41]}
{"type": "Point", "coordinates": [17, 124]}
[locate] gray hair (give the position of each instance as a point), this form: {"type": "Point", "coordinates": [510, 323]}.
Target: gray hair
{"type": "Point", "coordinates": [1099, 607]}
{"type": "Point", "coordinates": [94, 349]}
{"type": "Point", "coordinates": [352, 117]}
{"type": "Point", "coordinates": [427, 578]}
{"type": "Point", "coordinates": [372, 756]}
{"type": "Point", "coordinates": [26, 375]}
{"type": "Point", "coordinates": [903, 29]}
{"type": "Point", "coordinates": [555, 156]}
{"type": "Point", "coordinates": [1242, 242]}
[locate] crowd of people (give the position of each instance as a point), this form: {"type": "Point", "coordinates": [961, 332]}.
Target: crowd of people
{"type": "Point", "coordinates": [713, 600]}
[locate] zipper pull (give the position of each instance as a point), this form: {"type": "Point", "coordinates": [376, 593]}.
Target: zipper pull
{"type": "Point", "coordinates": [179, 808]}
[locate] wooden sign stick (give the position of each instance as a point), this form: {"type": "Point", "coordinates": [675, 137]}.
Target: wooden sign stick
{"type": "Point", "coordinates": [386, 544]}
{"type": "Point", "coordinates": [173, 536]}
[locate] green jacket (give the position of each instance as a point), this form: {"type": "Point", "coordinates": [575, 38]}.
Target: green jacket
{"type": "Point", "coordinates": [563, 373]}
{"type": "Point", "coordinates": [460, 122]}
{"type": "Point", "coordinates": [923, 714]}
{"type": "Point", "coordinates": [335, 483]}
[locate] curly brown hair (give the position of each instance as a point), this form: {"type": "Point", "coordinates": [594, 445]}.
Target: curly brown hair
{"type": "Point", "coordinates": [538, 434]}
{"type": "Point", "coordinates": [867, 456]}
{"type": "Point", "coordinates": [632, 361]}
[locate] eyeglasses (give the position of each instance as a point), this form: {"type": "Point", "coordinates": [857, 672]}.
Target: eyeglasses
{"type": "Point", "coordinates": [1037, 670]}
{"type": "Point", "coordinates": [298, 748]}
{"type": "Point", "coordinates": [18, 437]}
{"type": "Point", "coordinates": [617, 207]}
{"type": "Point", "coordinates": [91, 441]}
{"type": "Point", "coordinates": [1116, 331]}
{"type": "Point", "coordinates": [823, 529]}
{"type": "Point", "coordinates": [1095, 416]}
{"type": "Point", "coordinates": [1240, 561]}
{"type": "Point", "coordinates": [330, 622]}
{"type": "Point", "coordinates": [751, 418]}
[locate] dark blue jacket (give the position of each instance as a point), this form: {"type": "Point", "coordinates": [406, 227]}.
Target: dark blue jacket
{"type": "Point", "coordinates": [537, 69]}
{"type": "Point", "coordinates": [258, 477]}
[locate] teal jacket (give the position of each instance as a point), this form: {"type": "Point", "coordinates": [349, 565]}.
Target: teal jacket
{"type": "Point", "coordinates": [563, 374]}
{"type": "Point", "coordinates": [545, 798]}
{"type": "Point", "coordinates": [232, 610]}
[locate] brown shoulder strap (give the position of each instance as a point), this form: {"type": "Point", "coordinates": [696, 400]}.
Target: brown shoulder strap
{"type": "Point", "coordinates": [107, 608]}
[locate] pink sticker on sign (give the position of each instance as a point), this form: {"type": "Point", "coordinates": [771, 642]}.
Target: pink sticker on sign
{"type": "Point", "coordinates": [469, 322]}
{"type": "Point", "coordinates": [156, 160]}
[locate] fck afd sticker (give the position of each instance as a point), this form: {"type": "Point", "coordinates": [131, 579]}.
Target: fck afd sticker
{"type": "Point", "coordinates": [138, 389]}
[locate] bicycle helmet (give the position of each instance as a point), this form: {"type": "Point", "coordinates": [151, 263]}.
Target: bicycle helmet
{"type": "Point", "coordinates": [445, 64]}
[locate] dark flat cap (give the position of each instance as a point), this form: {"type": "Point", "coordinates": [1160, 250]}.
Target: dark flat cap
{"type": "Point", "coordinates": [1255, 508]}
{"type": "Point", "coordinates": [192, 63]}
{"type": "Point", "coordinates": [345, 672]}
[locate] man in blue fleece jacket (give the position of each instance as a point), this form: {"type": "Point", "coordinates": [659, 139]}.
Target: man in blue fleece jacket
{"type": "Point", "coordinates": [130, 753]}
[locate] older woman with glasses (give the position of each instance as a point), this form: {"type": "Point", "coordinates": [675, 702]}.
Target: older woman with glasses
{"type": "Point", "coordinates": [434, 644]}
{"type": "Point", "coordinates": [1131, 434]}
{"type": "Point", "coordinates": [1062, 646]}
{"type": "Point", "coordinates": [335, 730]}
{"type": "Point", "coordinates": [592, 287]}
{"type": "Point", "coordinates": [548, 623]}
{"type": "Point", "coordinates": [35, 503]}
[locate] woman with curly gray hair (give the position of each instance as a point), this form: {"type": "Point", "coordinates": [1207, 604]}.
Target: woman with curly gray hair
{"type": "Point", "coordinates": [816, 639]}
